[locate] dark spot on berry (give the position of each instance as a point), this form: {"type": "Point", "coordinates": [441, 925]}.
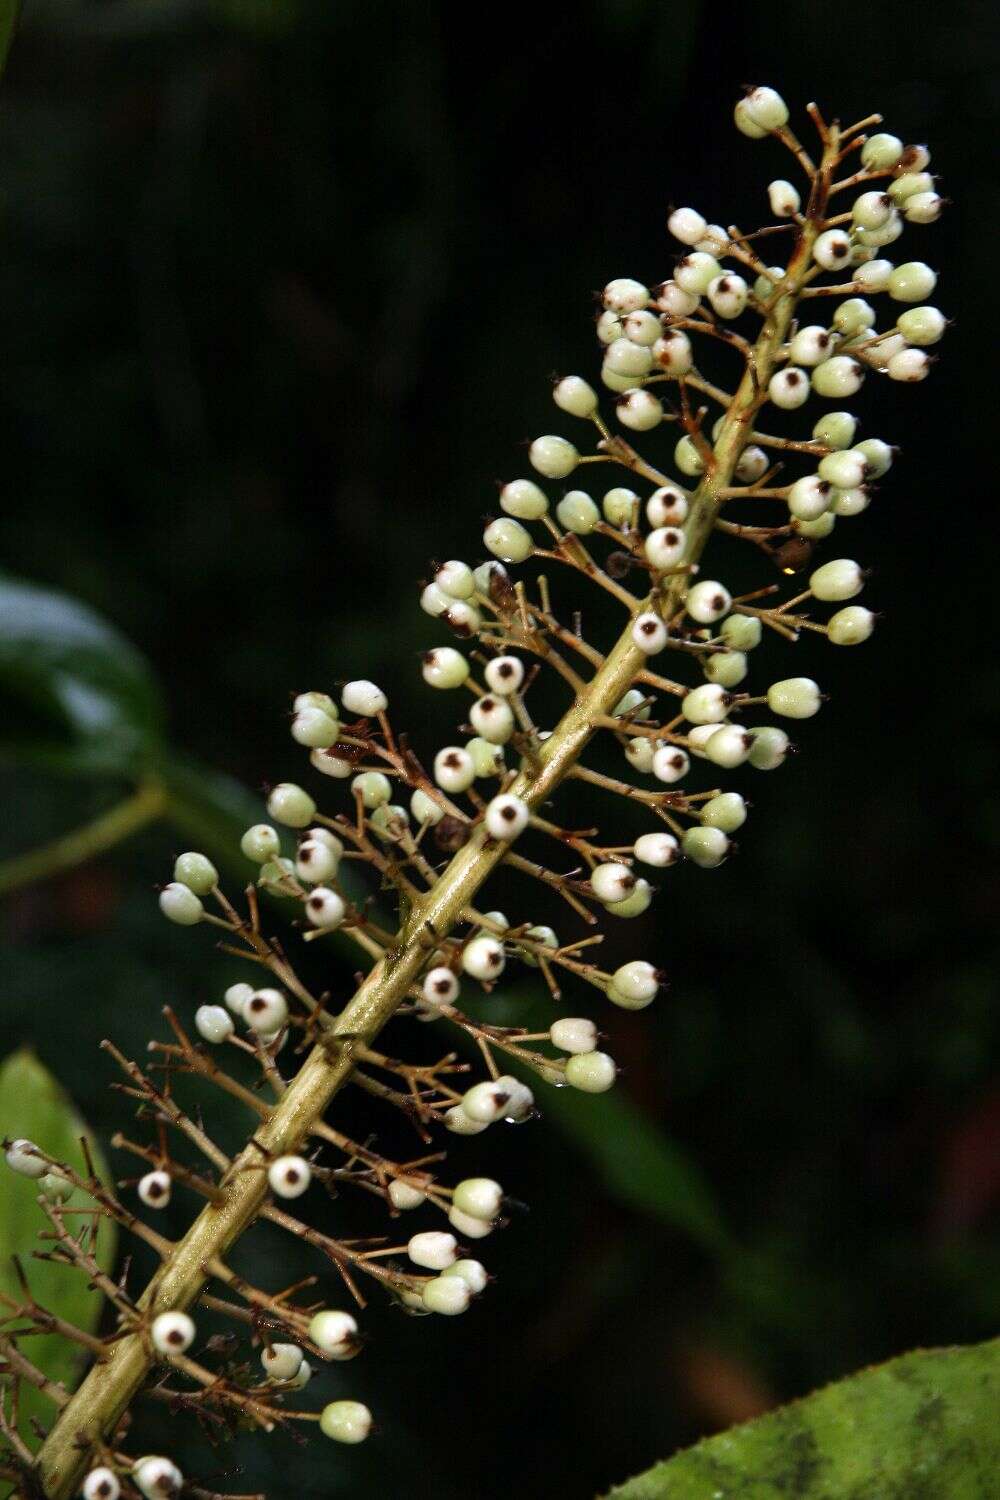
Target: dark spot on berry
{"type": "Point", "coordinates": [508, 813]}
{"type": "Point", "coordinates": [792, 377]}
{"type": "Point", "coordinates": [838, 249]}
{"type": "Point", "coordinates": [505, 669]}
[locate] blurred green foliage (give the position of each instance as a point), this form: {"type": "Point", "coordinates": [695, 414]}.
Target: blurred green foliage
{"type": "Point", "coordinates": [281, 285]}
{"type": "Point", "coordinates": [32, 1104]}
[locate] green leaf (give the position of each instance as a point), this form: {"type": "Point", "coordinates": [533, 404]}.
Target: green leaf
{"type": "Point", "coordinates": [640, 1165]}
{"type": "Point", "coordinates": [923, 1427]}
{"type": "Point", "coordinates": [87, 694]}
{"type": "Point", "coordinates": [33, 1105]}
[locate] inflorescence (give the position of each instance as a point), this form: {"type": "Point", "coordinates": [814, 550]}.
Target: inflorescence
{"type": "Point", "coordinates": [433, 833]}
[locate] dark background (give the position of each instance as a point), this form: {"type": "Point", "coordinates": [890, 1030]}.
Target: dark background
{"type": "Point", "coordinates": [281, 286]}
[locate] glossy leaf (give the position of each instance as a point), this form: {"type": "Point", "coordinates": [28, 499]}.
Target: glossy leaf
{"type": "Point", "coordinates": [923, 1427]}
{"type": "Point", "coordinates": [88, 698]}
{"type": "Point", "coordinates": [32, 1104]}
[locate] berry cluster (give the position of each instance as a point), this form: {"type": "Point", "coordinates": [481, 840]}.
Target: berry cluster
{"type": "Point", "coordinates": [432, 830]}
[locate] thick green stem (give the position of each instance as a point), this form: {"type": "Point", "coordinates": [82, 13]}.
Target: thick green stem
{"type": "Point", "coordinates": [110, 1386]}
{"type": "Point", "coordinates": [146, 805]}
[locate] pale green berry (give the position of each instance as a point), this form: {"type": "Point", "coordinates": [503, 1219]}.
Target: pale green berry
{"type": "Point", "coordinates": [766, 108]}
{"type": "Point", "coordinates": [923, 208]}
{"type": "Point", "coordinates": [745, 123]}
{"type": "Point", "coordinates": [673, 302]}
{"type": "Point", "coordinates": [909, 185]}
{"type": "Point", "coordinates": [487, 758]}
{"type": "Point", "coordinates": [912, 282]}
{"type": "Point", "coordinates": [433, 1249]}
{"type": "Point", "coordinates": [322, 701]}
{"type": "Point", "coordinates": [705, 847]}
{"type": "Point", "coordinates": [492, 718]}
{"type": "Point", "coordinates": [278, 876]}
{"type": "Point", "coordinates": [620, 507]}
{"type": "Point", "coordinates": [836, 429]}
{"type": "Point", "coordinates": [657, 849]}
{"type": "Point", "coordinates": [609, 327]}
{"type": "Point", "coordinates": [261, 843]}
{"type": "Point", "coordinates": [624, 358]}
{"type": "Point", "coordinates": [479, 1197]}
{"type": "Point", "coordinates": [752, 464]}
{"type": "Point", "coordinates": [444, 667]}
{"type": "Point", "coordinates": [639, 753]}
{"type": "Point", "coordinates": [329, 764]}
{"type": "Point", "coordinates": [390, 821]}
{"type": "Point", "coordinates": [472, 1272]}
{"type": "Point", "coordinates": [363, 697]}
{"type": "Point", "coordinates": [741, 632]}
{"type": "Point", "coordinates": [878, 456]}
{"type": "Point", "coordinates": [22, 1157]}
{"type": "Point", "coordinates": [197, 872]}
{"type": "Point", "coordinates": [553, 456]}
{"type": "Point", "coordinates": [728, 294]}
{"type": "Point", "coordinates": [649, 633]}
{"type": "Point", "coordinates": [573, 1034]}
{"type": "Point", "coordinates": [673, 353]}
{"type": "Point", "coordinates": [612, 882]}
{"type": "Point", "coordinates": [871, 210]}
{"type": "Point", "coordinates": [727, 811]}
{"type": "Point", "coordinates": [346, 1421]}
{"type": "Point", "coordinates": [314, 729]}
{"type": "Point", "coordinates": [794, 698]}
{"type": "Point", "coordinates": [811, 345]}
{"type": "Point", "coordinates": [633, 905]}
{"type": "Point", "coordinates": [708, 601]}
{"type": "Point", "coordinates": [851, 626]}
{"type": "Point", "coordinates": [590, 1072]}
{"type": "Point", "coordinates": [624, 295]}
{"type": "Point", "coordinates": [832, 250]}
{"type": "Point", "coordinates": [373, 788]}
{"type": "Point", "coordinates": [844, 469]}
{"type": "Point", "coordinates": [698, 737]}
{"type": "Point", "coordinates": [574, 396]}
{"type": "Point", "coordinates": [523, 499]}
{"type": "Point", "coordinates": [853, 317]}
{"type": "Point", "coordinates": [783, 198]}
{"type": "Point", "coordinates": [810, 497]}
{"type": "Point", "coordinates": [446, 1295]}
{"type": "Point", "coordinates": [642, 327]}
{"type": "Point", "coordinates": [638, 410]}
{"type": "Point", "coordinates": [727, 668]}
{"type": "Point", "coordinates": [789, 388]}
{"type": "Point", "coordinates": [236, 997]}
{"type": "Point", "coordinates": [874, 277]}
{"type": "Point", "coordinates": [619, 383]}
{"type": "Point", "coordinates": [729, 746]}
{"type": "Point", "coordinates": [851, 502]}
{"type": "Point", "coordinates": [909, 365]}
{"type": "Point", "coordinates": [769, 749]}
{"type": "Point", "coordinates": [334, 1333]}
{"type": "Point", "coordinates": [180, 904]}
{"type": "Point", "coordinates": [634, 704]}
{"type": "Point", "coordinates": [670, 763]}
{"type": "Point", "coordinates": [838, 377]}
{"type": "Point", "coordinates": [664, 547]}
{"type": "Point", "coordinates": [289, 804]}
{"type": "Point", "coordinates": [706, 704]}
{"type": "Point", "coordinates": [459, 1123]}
{"type": "Point", "coordinates": [634, 985]}
{"type": "Point", "coordinates": [55, 1188]}
{"type": "Point", "coordinates": [867, 241]}
{"type": "Point", "coordinates": [577, 512]}
{"type": "Point", "coordinates": [491, 575]}
{"type": "Point", "coordinates": [818, 529]}
{"type": "Point", "coordinates": [546, 937]}
{"type": "Point", "coordinates": [764, 286]}
{"type": "Point", "coordinates": [506, 817]}
{"type": "Point", "coordinates": [455, 579]}
{"type": "Point", "coordinates": [922, 325]}
{"type": "Point", "coordinates": [267, 1010]}
{"type": "Point", "coordinates": [507, 539]}
{"type": "Point", "coordinates": [687, 225]}
{"type": "Point", "coordinates": [404, 1196]}
{"type": "Point", "coordinates": [483, 958]}
{"type": "Point", "coordinates": [317, 861]}
{"type": "Point", "coordinates": [214, 1023]}
{"type": "Point", "coordinates": [454, 770]}
{"type": "Point", "coordinates": [281, 1361]}
{"type": "Point", "coordinates": [837, 580]}
{"type": "Point", "coordinates": [881, 152]}
{"type": "Point", "coordinates": [694, 273]}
